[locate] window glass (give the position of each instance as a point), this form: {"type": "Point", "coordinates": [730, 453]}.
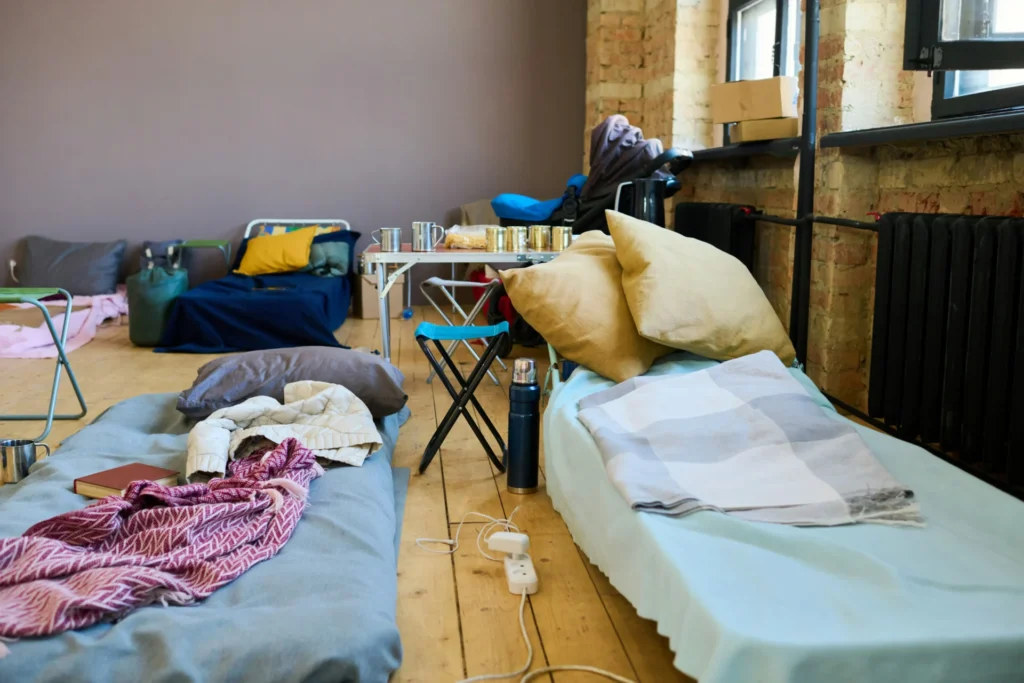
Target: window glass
{"type": "Point", "coordinates": [755, 30]}
{"type": "Point", "coordinates": [971, 82]}
{"type": "Point", "coordinates": [982, 19]}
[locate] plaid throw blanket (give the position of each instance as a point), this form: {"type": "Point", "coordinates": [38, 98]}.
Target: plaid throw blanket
{"type": "Point", "coordinates": [742, 437]}
{"type": "Point", "coordinates": [172, 545]}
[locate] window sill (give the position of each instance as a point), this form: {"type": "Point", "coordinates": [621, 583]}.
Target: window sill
{"type": "Point", "coordinates": [961, 126]}
{"type": "Point", "coordinates": [784, 148]}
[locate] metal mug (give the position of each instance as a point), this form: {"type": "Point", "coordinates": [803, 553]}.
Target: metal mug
{"type": "Point", "coordinates": [16, 456]}
{"type": "Point", "coordinates": [390, 239]}
{"type": "Point", "coordinates": [540, 237]}
{"type": "Point", "coordinates": [516, 238]}
{"type": "Point", "coordinates": [423, 235]}
{"type": "Point", "coordinates": [561, 237]}
{"type": "Point", "coordinates": [495, 238]}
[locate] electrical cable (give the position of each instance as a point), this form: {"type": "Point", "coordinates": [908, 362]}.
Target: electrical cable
{"type": "Point", "coordinates": [492, 524]}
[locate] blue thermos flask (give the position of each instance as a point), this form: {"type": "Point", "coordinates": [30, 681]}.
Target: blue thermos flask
{"type": "Point", "coordinates": [523, 428]}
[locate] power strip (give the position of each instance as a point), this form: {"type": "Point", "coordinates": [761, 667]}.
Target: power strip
{"type": "Point", "coordinates": [521, 575]}
{"type": "Point", "coordinates": [522, 580]}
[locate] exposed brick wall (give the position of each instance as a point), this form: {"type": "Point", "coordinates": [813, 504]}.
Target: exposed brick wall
{"type": "Point", "coordinates": [769, 184]}
{"type": "Point", "coordinates": [861, 85]}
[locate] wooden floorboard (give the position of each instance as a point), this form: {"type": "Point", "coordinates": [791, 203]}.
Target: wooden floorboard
{"type": "Point", "coordinates": [455, 613]}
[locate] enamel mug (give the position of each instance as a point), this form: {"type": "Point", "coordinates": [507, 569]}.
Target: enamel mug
{"type": "Point", "coordinates": [423, 238]}
{"type": "Point", "coordinates": [390, 238]}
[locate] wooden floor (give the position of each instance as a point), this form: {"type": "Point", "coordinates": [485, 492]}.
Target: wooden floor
{"type": "Point", "coordinates": [455, 613]}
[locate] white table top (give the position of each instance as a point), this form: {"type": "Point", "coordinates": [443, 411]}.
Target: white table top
{"type": "Point", "coordinates": [373, 254]}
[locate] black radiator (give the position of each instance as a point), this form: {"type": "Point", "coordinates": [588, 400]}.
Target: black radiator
{"type": "Point", "coordinates": [726, 226]}
{"type": "Point", "coordinates": [947, 353]}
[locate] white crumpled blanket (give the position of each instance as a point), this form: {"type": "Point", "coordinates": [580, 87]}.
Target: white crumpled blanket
{"type": "Point", "coordinates": [326, 418]}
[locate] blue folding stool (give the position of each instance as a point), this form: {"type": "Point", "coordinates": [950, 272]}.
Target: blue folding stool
{"type": "Point", "coordinates": [462, 398]}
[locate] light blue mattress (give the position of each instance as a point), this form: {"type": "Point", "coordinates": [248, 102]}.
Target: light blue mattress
{"type": "Point", "coordinates": [323, 609]}
{"type": "Point", "coordinates": [743, 601]}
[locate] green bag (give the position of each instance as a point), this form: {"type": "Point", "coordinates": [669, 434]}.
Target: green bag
{"type": "Point", "coordinates": [151, 296]}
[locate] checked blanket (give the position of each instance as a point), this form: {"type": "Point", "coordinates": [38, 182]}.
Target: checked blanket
{"type": "Point", "coordinates": [742, 437]}
{"type": "Point", "coordinates": [172, 545]}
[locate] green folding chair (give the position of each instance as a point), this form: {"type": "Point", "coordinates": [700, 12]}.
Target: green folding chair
{"type": "Point", "coordinates": [25, 295]}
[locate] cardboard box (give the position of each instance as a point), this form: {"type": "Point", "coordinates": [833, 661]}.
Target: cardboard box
{"type": "Point", "coordinates": [764, 129]}
{"type": "Point", "coordinates": [771, 98]}
{"type": "Point", "coordinates": [365, 303]}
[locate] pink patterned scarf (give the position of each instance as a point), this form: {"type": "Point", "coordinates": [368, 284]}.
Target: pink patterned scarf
{"type": "Point", "coordinates": [172, 545]}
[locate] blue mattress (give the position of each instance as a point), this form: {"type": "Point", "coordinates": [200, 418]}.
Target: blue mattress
{"type": "Point", "coordinates": [746, 601]}
{"type": "Point", "coordinates": [241, 313]}
{"type": "Point", "coordinates": [323, 609]}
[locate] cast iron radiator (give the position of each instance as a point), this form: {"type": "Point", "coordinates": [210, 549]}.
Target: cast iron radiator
{"type": "Point", "coordinates": [947, 356]}
{"type": "Point", "coordinates": [726, 226]}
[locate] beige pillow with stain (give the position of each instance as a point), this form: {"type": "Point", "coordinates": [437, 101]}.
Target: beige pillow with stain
{"type": "Point", "coordinates": [576, 303]}
{"type": "Point", "coordinates": [689, 295]}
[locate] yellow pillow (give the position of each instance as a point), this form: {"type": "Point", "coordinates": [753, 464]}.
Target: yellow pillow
{"type": "Point", "coordinates": [277, 253]}
{"type": "Point", "coordinates": [576, 303]}
{"type": "Point", "coordinates": [689, 295]}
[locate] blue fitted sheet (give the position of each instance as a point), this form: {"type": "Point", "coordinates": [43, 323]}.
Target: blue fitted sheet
{"type": "Point", "coordinates": [240, 313]}
{"type": "Point", "coordinates": [323, 609]}
{"type": "Point", "coordinates": [744, 601]}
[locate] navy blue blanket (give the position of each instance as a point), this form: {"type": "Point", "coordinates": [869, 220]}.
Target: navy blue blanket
{"type": "Point", "coordinates": [241, 313]}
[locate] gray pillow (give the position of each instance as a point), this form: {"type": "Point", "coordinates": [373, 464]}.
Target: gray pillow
{"type": "Point", "coordinates": [85, 268]}
{"type": "Point", "coordinates": [232, 379]}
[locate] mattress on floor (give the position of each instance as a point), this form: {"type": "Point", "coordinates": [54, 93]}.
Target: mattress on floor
{"type": "Point", "coordinates": [323, 609]}
{"type": "Point", "coordinates": [744, 601]}
{"type": "Point", "coordinates": [242, 313]}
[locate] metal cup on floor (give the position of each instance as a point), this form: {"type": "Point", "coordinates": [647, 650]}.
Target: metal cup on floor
{"type": "Point", "coordinates": [495, 238]}
{"type": "Point", "coordinates": [16, 457]}
{"type": "Point", "coordinates": [540, 237]}
{"type": "Point", "coordinates": [423, 235]}
{"type": "Point", "coordinates": [390, 239]}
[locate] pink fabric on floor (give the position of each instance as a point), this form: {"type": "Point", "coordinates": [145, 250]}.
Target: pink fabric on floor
{"type": "Point", "coordinates": [19, 341]}
{"type": "Point", "coordinates": [172, 545]}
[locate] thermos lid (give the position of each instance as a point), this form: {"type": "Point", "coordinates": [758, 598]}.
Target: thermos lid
{"type": "Point", "coordinates": [524, 371]}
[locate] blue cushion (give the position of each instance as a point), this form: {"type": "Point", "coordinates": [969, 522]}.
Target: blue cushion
{"type": "Point", "coordinates": [445, 332]}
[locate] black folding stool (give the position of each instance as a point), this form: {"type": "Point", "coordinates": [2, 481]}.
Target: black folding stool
{"type": "Point", "coordinates": [462, 398]}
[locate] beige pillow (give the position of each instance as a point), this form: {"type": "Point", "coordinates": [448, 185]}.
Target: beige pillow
{"type": "Point", "coordinates": [689, 295]}
{"type": "Point", "coordinates": [576, 303]}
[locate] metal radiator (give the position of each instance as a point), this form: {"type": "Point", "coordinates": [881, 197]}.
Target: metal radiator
{"type": "Point", "coordinates": [947, 353]}
{"type": "Point", "coordinates": [726, 226]}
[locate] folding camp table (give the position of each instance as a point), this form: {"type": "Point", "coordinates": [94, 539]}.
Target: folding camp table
{"type": "Point", "coordinates": [407, 258]}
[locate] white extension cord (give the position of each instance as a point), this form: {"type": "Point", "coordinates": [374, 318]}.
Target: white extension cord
{"type": "Point", "coordinates": [492, 524]}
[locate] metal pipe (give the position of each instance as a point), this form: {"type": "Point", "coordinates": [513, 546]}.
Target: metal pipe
{"type": "Point", "coordinates": [892, 431]}
{"type": "Point", "coordinates": [846, 223]}
{"type": "Point", "coordinates": [798, 322]}
{"type": "Point", "coordinates": [778, 220]}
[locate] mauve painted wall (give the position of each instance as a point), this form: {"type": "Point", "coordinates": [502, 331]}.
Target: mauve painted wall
{"type": "Point", "coordinates": [151, 119]}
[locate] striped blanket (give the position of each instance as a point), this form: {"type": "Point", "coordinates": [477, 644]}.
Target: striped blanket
{"type": "Point", "coordinates": [172, 545]}
{"type": "Point", "coordinates": [742, 437]}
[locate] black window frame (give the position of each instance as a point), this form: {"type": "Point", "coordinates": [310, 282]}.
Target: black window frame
{"type": "Point", "coordinates": [944, 105]}
{"type": "Point", "coordinates": [925, 50]}
{"type": "Point", "coordinates": [780, 56]}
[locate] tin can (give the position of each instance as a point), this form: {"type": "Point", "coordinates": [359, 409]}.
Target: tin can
{"type": "Point", "coordinates": [516, 238]}
{"type": "Point", "coordinates": [495, 238]}
{"type": "Point", "coordinates": [540, 237]}
{"type": "Point", "coordinates": [561, 237]}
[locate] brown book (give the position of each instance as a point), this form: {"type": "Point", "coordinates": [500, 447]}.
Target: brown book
{"type": "Point", "coordinates": [114, 482]}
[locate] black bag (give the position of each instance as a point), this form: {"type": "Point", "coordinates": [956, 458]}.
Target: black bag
{"type": "Point", "coordinates": [520, 332]}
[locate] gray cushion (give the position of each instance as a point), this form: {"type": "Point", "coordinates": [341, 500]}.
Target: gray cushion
{"type": "Point", "coordinates": [232, 379]}
{"type": "Point", "coordinates": [85, 268]}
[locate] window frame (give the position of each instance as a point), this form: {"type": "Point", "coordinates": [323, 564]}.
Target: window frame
{"type": "Point", "coordinates": [944, 105]}
{"type": "Point", "coordinates": [780, 56]}
{"type": "Point", "coordinates": [925, 50]}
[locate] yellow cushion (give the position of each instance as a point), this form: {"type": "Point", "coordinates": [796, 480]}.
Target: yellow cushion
{"type": "Point", "coordinates": [576, 303]}
{"type": "Point", "coordinates": [277, 253]}
{"type": "Point", "coordinates": [689, 295]}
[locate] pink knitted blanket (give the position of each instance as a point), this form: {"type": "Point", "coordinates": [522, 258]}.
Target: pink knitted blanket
{"type": "Point", "coordinates": [172, 545]}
